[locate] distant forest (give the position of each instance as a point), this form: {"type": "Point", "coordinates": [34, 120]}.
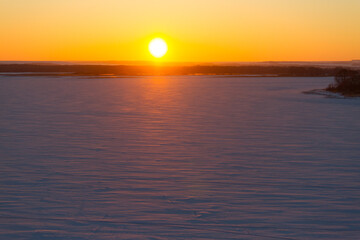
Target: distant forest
{"type": "Point", "coordinates": [124, 70]}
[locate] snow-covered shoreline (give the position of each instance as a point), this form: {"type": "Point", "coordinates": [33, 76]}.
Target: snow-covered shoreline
{"type": "Point", "coordinates": [327, 94]}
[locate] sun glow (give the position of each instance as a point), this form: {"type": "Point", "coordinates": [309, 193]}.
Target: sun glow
{"type": "Point", "coordinates": [158, 47]}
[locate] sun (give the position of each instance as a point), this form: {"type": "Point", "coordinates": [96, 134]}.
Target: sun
{"type": "Point", "coordinates": [158, 47]}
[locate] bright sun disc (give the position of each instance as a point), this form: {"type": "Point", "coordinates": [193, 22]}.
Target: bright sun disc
{"type": "Point", "coordinates": [158, 47]}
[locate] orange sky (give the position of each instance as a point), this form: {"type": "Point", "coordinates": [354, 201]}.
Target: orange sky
{"type": "Point", "coordinates": [196, 30]}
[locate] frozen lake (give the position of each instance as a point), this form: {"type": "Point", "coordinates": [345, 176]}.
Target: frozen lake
{"type": "Point", "coordinates": [188, 157]}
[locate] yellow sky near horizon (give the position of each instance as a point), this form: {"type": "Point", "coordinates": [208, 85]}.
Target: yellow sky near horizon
{"type": "Point", "coordinates": [196, 30]}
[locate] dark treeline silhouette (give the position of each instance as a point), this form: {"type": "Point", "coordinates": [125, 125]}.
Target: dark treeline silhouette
{"type": "Point", "coordinates": [125, 70]}
{"type": "Point", "coordinates": [347, 82]}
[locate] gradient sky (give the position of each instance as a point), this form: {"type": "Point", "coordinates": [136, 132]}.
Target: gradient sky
{"type": "Point", "coordinates": [196, 30]}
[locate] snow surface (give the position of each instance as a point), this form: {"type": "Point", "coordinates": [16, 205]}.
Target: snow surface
{"type": "Point", "coordinates": [177, 158]}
